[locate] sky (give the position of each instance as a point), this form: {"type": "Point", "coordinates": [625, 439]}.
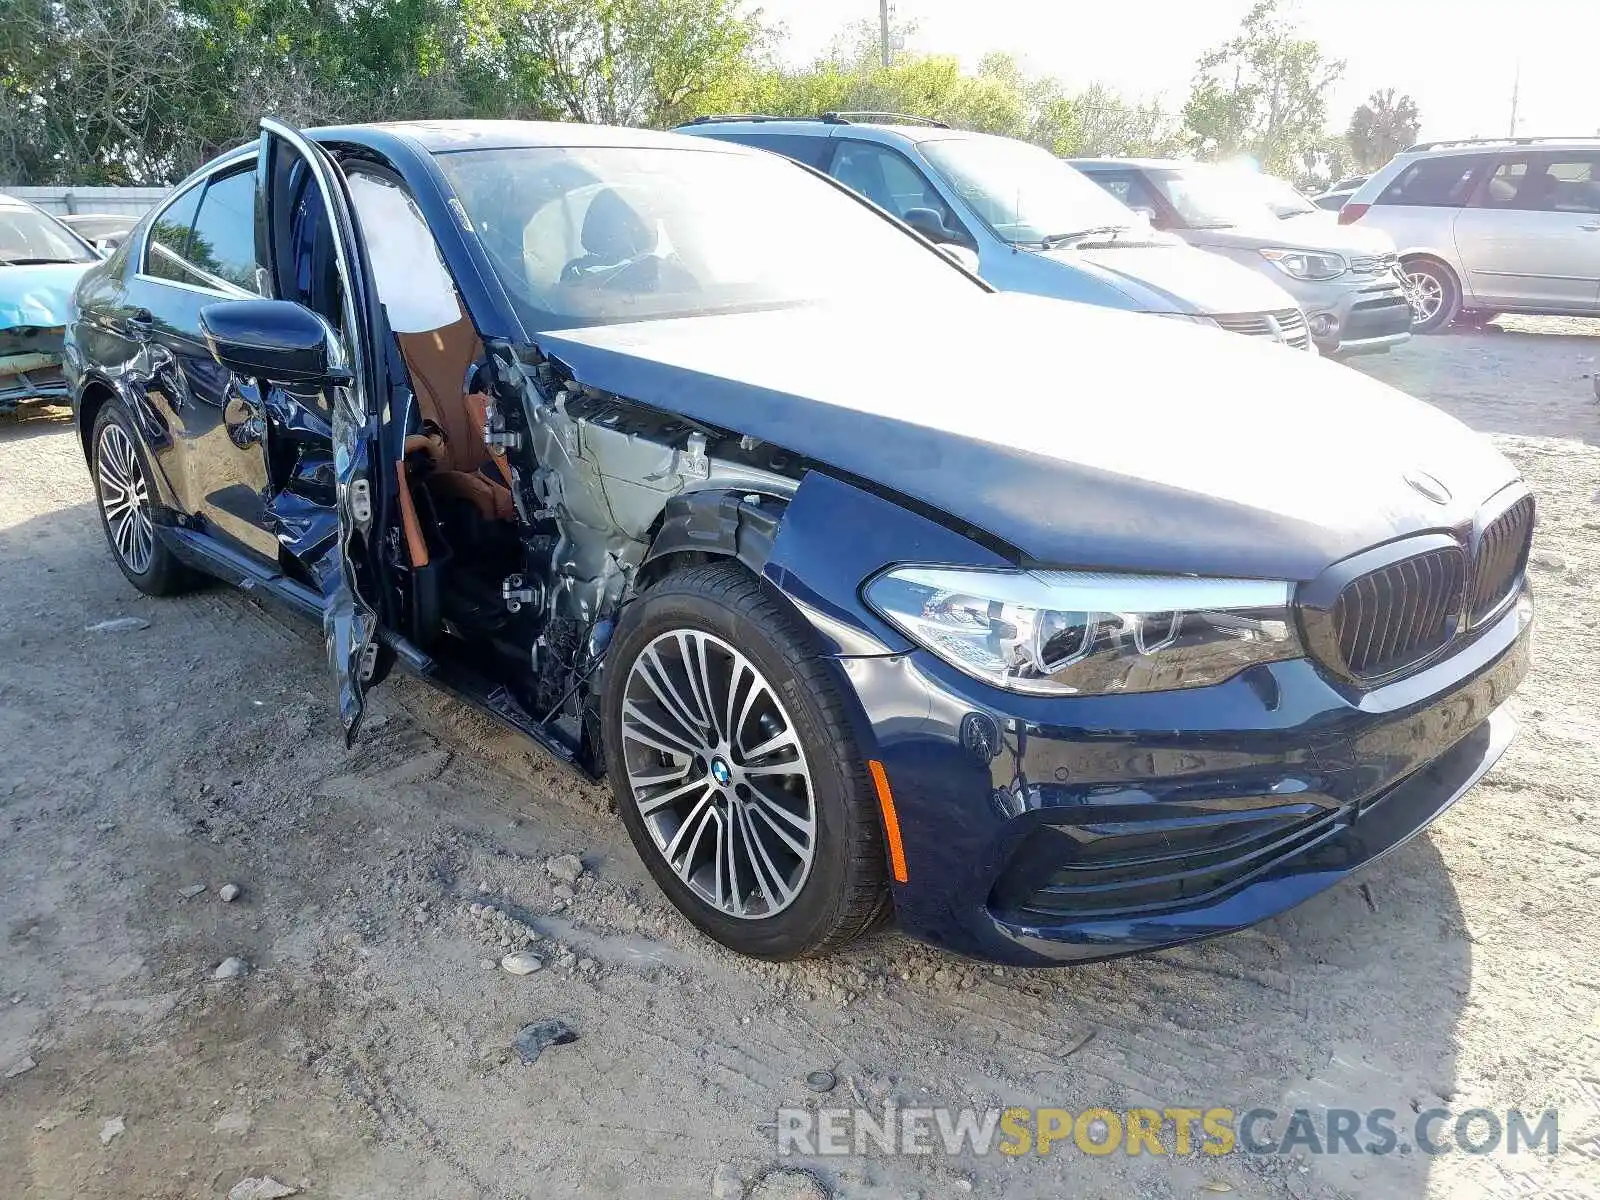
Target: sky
{"type": "Point", "coordinates": [1457, 58]}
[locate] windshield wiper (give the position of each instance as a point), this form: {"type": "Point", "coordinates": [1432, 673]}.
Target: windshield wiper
{"type": "Point", "coordinates": [35, 262]}
{"type": "Point", "coordinates": [1050, 241]}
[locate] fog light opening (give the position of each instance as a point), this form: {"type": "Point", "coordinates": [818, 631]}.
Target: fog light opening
{"type": "Point", "coordinates": [1324, 325]}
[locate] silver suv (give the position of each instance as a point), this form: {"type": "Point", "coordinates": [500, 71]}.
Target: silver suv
{"type": "Point", "coordinates": [1491, 226]}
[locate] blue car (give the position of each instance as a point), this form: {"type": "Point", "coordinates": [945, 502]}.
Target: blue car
{"type": "Point", "coordinates": [1022, 219]}
{"type": "Point", "coordinates": [874, 593]}
{"type": "Point", "coordinates": [41, 261]}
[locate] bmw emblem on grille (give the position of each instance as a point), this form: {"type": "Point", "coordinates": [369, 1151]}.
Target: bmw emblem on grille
{"type": "Point", "coordinates": [1426, 485]}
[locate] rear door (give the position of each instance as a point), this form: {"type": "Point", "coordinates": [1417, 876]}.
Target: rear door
{"type": "Point", "coordinates": [1531, 236]}
{"type": "Point", "coordinates": [350, 576]}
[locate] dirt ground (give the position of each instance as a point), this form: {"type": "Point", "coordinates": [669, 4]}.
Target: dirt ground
{"type": "Point", "coordinates": [366, 1053]}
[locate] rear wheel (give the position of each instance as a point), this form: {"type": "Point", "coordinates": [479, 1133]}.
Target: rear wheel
{"type": "Point", "coordinates": [1433, 292]}
{"type": "Point", "coordinates": [122, 488]}
{"type": "Point", "coordinates": [736, 772]}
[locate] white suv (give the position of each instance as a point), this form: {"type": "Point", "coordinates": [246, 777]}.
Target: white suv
{"type": "Point", "coordinates": [1491, 226]}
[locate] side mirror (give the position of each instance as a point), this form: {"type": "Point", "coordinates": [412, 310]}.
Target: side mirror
{"type": "Point", "coordinates": [273, 339]}
{"type": "Point", "coordinates": [930, 225]}
{"type": "Point", "coordinates": [1145, 211]}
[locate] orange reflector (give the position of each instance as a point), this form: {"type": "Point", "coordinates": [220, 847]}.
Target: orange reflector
{"type": "Point", "coordinates": [891, 822]}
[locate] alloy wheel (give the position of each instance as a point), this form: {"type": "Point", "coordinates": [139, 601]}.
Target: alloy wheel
{"type": "Point", "coordinates": [716, 768]}
{"type": "Point", "coordinates": [124, 499]}
{"type": "Point", "coordinates": [1425, 294]}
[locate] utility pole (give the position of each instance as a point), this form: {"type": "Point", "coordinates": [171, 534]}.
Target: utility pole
{"type": "Point", "coordinates": [883, 28]}
{"type": "Point", "coordinates": [1516, 94]}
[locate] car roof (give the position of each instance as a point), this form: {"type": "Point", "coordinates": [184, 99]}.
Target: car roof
{"type": "Point", "coordinates": [1095, 164]}
{"type": "Point", "coordinates": [443, 137]}
{"type": "Point", "coordinates": [818, 127]}
{"type": "Point", "coordinates": [1497, 146]}
{"type": "Point", "coordinates": [13, 202]}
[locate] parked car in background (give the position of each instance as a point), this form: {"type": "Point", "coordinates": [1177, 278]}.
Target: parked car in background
{"type": "Point", "coordinates": [871, 589]}
{"type": "Point", "coordinates": [1487, 226]}
{"type": "Point", "coordinates": [40, 263]}
{"type": "Point", "coordinates": [105, 230]}
{"type": "Point", "coordinates": [1334, 200]}
{"type": "Point", "coordinates": [1345, 280]}
{"type": "Point", "coordinates": [1026, 221]}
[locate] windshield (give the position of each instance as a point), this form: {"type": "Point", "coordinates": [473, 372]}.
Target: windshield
{"type": "Point", "coordinates": [29, 236]}
{"type": "Point", "coordinates": [596, 235]}
{"type": "Point", "coordinates": [1025, 194]}
{"type": "Point", "coordinates": [1208, 197]}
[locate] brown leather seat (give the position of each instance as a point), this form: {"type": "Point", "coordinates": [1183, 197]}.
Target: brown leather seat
{"type": "Point", "coordinates": [439, 362]}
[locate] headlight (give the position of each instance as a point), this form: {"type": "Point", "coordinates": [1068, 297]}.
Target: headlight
{"type": "Point", "coordinates": [1306, 264]}
{"type": "Point", "coordinates": [1065, 633]}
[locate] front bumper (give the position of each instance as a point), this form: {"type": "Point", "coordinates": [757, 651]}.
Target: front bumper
{"type": "Point", "coordinates": [1050, 831]}
{"type": "Point", "coordinates": [30, 367]}
{"type": "Point", "coordinates": [1365, 314]}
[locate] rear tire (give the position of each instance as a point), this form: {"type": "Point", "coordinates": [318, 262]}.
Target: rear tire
{"type": "Point", "coordinates": [1434, 293]}
{"type": "Point", "coordinates": [688, 774]}
{"type": "Point", "coordinates": [121, 474]}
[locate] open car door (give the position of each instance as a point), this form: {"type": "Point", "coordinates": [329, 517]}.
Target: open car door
{"type": "Point", "coordinates": [310, 245]}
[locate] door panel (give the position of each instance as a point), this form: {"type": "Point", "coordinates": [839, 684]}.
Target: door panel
{"type": "Point", "coordinates": [200, 252]}
{"type": "Point", "coordinates": [1531, 238]}
{"type": "Point", "coordinates": [289, 163]}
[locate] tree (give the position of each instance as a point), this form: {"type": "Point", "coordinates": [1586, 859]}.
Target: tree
{"type": "Point", "coordinates": [629, 62]}
{"type": "Point", "coordinates": [1263, 93]}
{"type": "Point", "coordinates": [1382, 127]}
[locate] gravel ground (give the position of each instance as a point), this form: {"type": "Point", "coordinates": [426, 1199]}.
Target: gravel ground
{"type": "Point", "coordinates": [366, 1050]}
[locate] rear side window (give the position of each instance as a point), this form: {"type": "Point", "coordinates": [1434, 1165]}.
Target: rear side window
{"type": "Point", "coordinates": [1439, 182]}
{"type": "Point", "coordinates": [168, 240]}
{"type": "Point", "coordinates": [1125, 186]}
{"type": "Point", "coordinates": [223, 244]}
{"type": "Point", "coordinates": [813, 151]}
{"type": "Point", "coordinates": [1561, 183]}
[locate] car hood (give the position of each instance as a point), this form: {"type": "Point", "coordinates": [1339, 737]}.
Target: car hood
{"type": "Point", "coordinates": [37, 296]}
{"type": "Point", "coordinates": [1312, 231]}
{"type": "Point", "coordinates": [1173, 278]}
{"type": "Point", "coordinates": [1078, 436]}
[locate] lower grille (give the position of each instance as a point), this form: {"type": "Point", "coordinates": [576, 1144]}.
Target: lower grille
{"type": "Point", "coordinates": [1502, 558]}
{"type": "Point", "coordinates": [1396, 616]}
{"type": "Point", "coordinates": [1284, 325]}
{"type": "Point", "coordinates": [1126, 873]}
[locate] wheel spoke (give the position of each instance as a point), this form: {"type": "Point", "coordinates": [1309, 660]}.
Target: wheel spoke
{"type": "Point", "coordinates": [666, 741]}
{"type": "Point", "coordinates": [655, 677]}
{"type": "Point", "coordinates": [768, 878]}
{"type": "Point", "coordinates": [800, 849]}
{"type": "Point", "coordinates": [654, 803]}
{"type": "Point", "coordinates": [700, 675]}
{"type": "Point", "coordinates": [771, 746]}
{"type": "Point", "coordinates": [696, 814]}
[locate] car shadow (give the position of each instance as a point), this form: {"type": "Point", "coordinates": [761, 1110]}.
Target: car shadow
{"type": "Point", "coordinates": [34, 420]}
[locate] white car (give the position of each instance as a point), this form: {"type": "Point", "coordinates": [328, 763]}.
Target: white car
{"type": "Point", "coordinates": [1491, 226]}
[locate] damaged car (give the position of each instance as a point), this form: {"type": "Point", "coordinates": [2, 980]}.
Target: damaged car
{"type": "Point", "coordinates": [40, 263]}
{"type": "Point", "coordinates": [872, 592]}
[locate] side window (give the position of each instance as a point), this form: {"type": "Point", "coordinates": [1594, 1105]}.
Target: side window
{"type": "Point", "coordinates": [888, 180]}
{"type": "Point", "coordinates": [813, 151]}
{"type": "Point", "coordinates": [1444, 182]}
{"type": "Point", "coordinates": [413, 283]}
{"type": "Point", "coordinates": [1126, 187]}
{"type": "Point", "coordinates": [1568, 183]}
{"type": "Point", "coordinates": [168, 240]}
{"type": "Point", "coordinates": [223, 244]}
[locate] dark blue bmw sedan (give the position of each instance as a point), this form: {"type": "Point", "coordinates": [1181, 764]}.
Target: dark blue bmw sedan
{"type": "Point", "coordinates": [1052, 632]}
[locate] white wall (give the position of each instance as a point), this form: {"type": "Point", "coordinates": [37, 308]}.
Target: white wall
{"type": "Point", "coordinates": [128, 201]}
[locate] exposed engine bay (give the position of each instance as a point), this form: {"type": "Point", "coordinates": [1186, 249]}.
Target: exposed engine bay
{"type": "Point", "coordinates": [605, 495]}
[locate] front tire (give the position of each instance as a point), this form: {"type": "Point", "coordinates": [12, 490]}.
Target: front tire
{"type": "Point", "coordinates": [1434, 294]}
{"type": "Point", "coordinates": [122, 489]}
{"type": "Point", "coordinates": [736, 771]}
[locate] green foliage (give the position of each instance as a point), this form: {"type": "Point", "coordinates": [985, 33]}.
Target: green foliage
{"type": "Point", "coordinates": [140, 91]}
{"type": "Point", "coordinates": [1262, 93]}
{"type": "Point", "coordinates": [1381, 128]}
